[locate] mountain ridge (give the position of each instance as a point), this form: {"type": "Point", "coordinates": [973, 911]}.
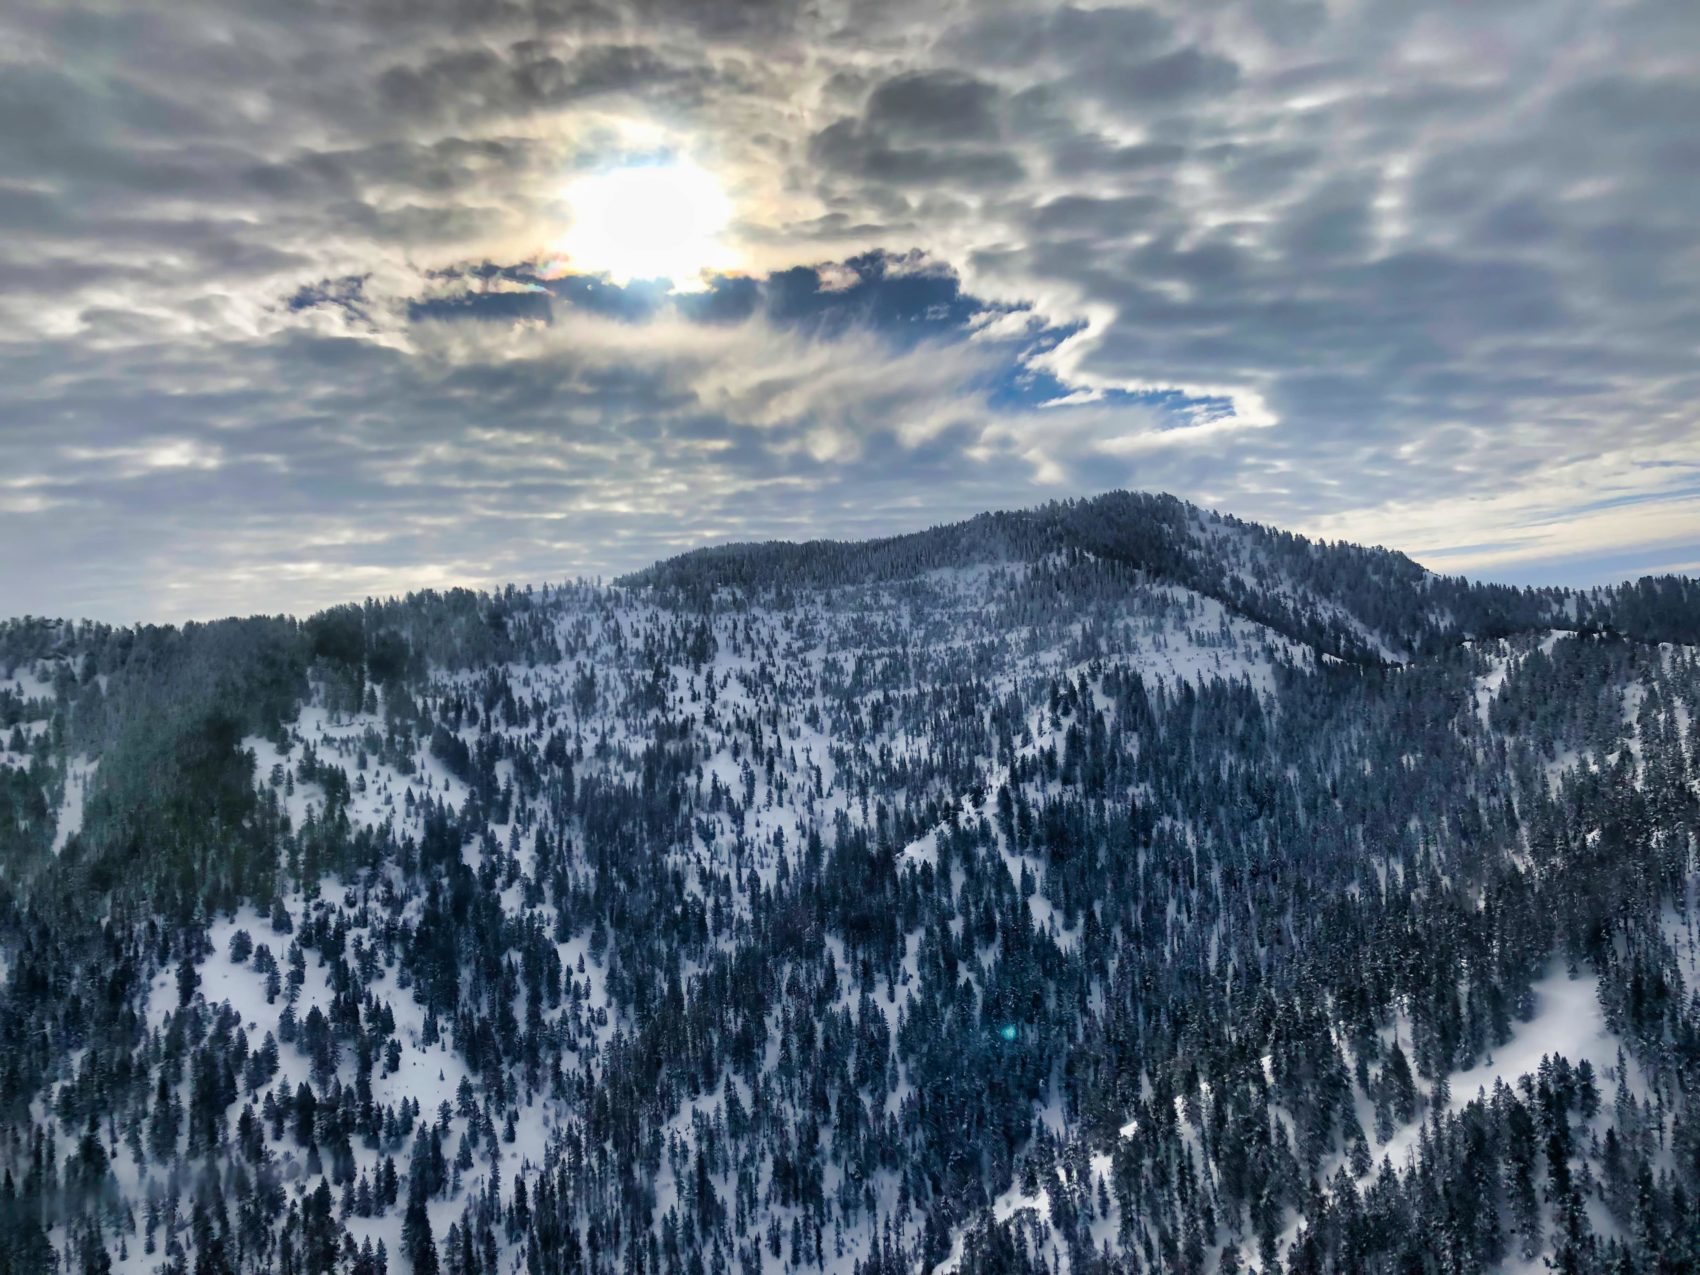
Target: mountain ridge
{"type": "Point", "coordinates": [1386, 607]}
{"type": "Point", "coordinates": [1392, 601]}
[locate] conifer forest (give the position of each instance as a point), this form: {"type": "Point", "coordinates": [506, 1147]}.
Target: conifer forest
{"type": "Point", "coordinates": [1114, 886]}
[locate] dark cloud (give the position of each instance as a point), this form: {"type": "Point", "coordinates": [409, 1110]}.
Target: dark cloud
{"type": "Point", "coordinates": [503, 306]}
{"type": "Point", "coordinates": [729, 300]}
{"type": "Point", "coordinates": [1175, 76]}
{"type": "Point", "coordinates": [862, 150]}
{"type": "Point", "coordinates": [1094, 218]}
{"type": "Point", "coordinates": [1129, 55]}
{"type": "Point", "coordinates": [936, 106]}
{"type": "Point", "coordinates": [906, 297]}
{"type": "Point", "coordinates": [1332, 222]}
{"type": "Point", "coordinates": [467, 84]}
{"type": "Point", "coordinates": [902, 299]}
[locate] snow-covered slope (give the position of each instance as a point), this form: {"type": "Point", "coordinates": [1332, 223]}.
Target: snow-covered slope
{"type": "Point", "coordinates": [1021, 908]}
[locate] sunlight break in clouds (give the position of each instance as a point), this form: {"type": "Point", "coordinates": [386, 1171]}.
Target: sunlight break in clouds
{"type": "Point", "coordinates": [649, 221]}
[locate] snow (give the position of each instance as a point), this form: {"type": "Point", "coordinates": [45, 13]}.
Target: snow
{"type": "Point", "coordinates": [32, 681]}
{"type": "Point", "coordinates": [428, 1074]}
{"type": "Point", "coordinates": [1488, 685]}
{"type": "Point", "coordinates": [70, 819]}
{"type": "Point", "coordinates": [1568, 1020]}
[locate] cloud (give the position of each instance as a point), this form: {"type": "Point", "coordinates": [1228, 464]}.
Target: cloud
{"type": "Point", "coordinates": [871, 151]}
{"type": "Point", "coordinates": [905, 297]}
{"type": "Point", "coordinates": [940, 106]}
{"type": "Point", "coordinates": [502, 452]}
{"type": "Point", "coordinates": [1419, 272]}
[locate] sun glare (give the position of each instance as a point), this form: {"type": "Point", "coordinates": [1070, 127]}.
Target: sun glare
{"type": "Point", "coordinates": [661, 221]}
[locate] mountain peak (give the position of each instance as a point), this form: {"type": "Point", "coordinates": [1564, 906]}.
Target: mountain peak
{"type": "Point", "coordinates": [1356, 603]}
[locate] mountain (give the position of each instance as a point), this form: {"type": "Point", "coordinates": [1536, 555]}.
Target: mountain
{"type": "Point", "coordinates": [1108, 886]}
{"type": "Point", "coordinates": [1363, 604]}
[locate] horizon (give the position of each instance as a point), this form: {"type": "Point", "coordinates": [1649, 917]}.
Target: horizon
{"type": "Point", "coordinates": [611, 578]}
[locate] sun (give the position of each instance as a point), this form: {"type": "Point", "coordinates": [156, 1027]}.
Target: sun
{"type": "Point", "coordinates": [655, 221]}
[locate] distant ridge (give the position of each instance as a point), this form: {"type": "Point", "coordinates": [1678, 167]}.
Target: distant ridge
{"type": "Point", "coordinates": [1362, 604]}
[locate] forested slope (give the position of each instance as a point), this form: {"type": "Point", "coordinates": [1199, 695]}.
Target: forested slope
{"type": "Point", "coordinates": [1113, 886]}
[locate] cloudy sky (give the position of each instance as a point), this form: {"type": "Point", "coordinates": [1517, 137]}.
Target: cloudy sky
{"type": "Point", "coordinates": [313, 301]}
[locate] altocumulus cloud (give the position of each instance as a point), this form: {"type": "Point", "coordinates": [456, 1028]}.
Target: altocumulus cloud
{"type": "Point", "coordinates": [276, 327]}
